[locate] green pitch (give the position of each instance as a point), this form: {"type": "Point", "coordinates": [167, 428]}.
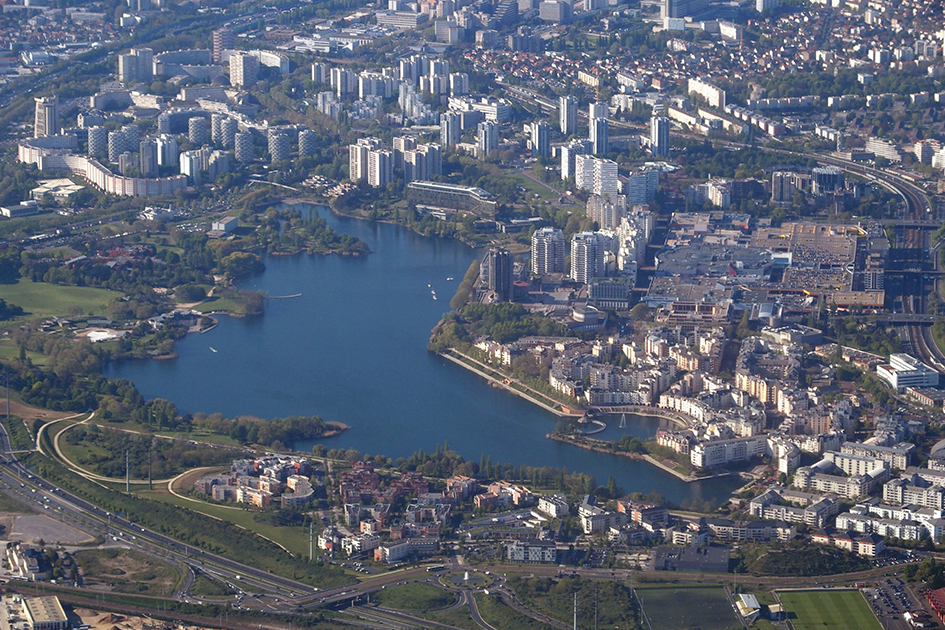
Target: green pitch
{"type": "Point", "coordinates": [828, 610]}
{"type": "Point", "coordinates": [672, 607]}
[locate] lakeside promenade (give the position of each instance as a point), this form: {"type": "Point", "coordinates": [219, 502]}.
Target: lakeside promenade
{"type": "Point", "coordinates": [580, 441]}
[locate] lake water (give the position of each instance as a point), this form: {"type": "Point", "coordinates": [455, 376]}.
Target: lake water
{"type": "Point", "coordinates": [352, 348]}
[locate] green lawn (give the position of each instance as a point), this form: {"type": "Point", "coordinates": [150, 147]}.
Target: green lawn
{"type": "Point", "coordinates": [292, 538]}
{"type": "Point", "coordinates": [500, 616]}
{"type": "Point", "coordinates": [420, 597]}
{"type": "Point", "coordinates": [672, 607]}
{"type": "Point", "coordinates": [533, 187]}
{"type": "Point", "coordinates": [42, 299]}
{"type": "Point", "coordinates": [218, 304]}
{"type": "Point", "coordinates": [828, 610]}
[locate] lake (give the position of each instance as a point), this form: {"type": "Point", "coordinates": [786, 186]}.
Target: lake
{"type": "Point", "coordinates": [352, 348]}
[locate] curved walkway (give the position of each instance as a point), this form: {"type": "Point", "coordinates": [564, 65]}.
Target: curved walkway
{"type": "Point", "coordinates": [82, 471]}
{"type": "Point", "coordinates": [170, 488]}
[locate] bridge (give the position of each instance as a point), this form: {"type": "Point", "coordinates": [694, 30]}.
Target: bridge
{"type": "Point", "coordinates": [920, 224]}
{"type": "Point", "coordinates": [899, 319]}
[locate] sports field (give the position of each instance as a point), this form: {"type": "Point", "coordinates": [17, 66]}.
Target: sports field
{"type": "Point", "coordinates": [828, 610]}
{"type": "Point", "coordinates": [687, 607]}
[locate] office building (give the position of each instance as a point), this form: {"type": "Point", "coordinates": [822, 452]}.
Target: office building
{"type": "Point", "coordinates": [148, 158]}
{"type": "Point", "coordinates": [244, 69]}
{"type": "Point", "coordinates": [308, 142]}
{"type": "Point", "coordinates": [642, 186]}
{"type": "Point", "coordinates": [197, 130]}
{"type": "Point", "coordinates": [497, 272]}
{"type": "Point", "coordinates": [659, 136]}
{"type": "Point", "coordinates": [567, 115]}
{"type": "Point", "coordinates": [223, 39]}
{"type": "Point", "coordinates": [556, 11]}
{"type": "Point", "coordinates": [540, 134]}
{"type": "Point", "coordinates": [587, 256]}
{"type": "Point", "coordinates": [826, 179]}
{"type": "Point", "coordinates": [45, 613]}
{"type": "Point", "coordinates": [599, 132]}
{"type": "Point", "coordinates": [98, 141]}
{"type": "Point", "coordinates": [243, 147]}
{"type": "Point", "coordinates": [682, 8]}
{"type": "Point", "coordinates": [487, 140]}
{"type": "Point", "coordinates": [904, 371]}
{"type": "Point", "coordinates": [782, 187]}
{"type": "Point", "coordinates": [451, 130]}
{"type": "Point", "coordinates": [380, 167]}
{"type": "Point", "coordinates": [548, 249]}
{"type": "Point", "coordinates": [279, 148]}
{"type": "Point", "coordinates": [46, 119]}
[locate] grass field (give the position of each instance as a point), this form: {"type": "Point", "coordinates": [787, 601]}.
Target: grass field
{"type": "Point", "coordinates": [828, 610]}
{"type": "Point", "coordinates": [422, 597]}
{"type": "Point", "coordinates": [41, 299]}
{"type": "Point", "coordinates": [672, 607]}
{"type": "Point", "coordinates": [127, 571]}
{"type": "Point", "coordinates": [295, 539]}
{"type": "Point", "coordinates": [500, 616]}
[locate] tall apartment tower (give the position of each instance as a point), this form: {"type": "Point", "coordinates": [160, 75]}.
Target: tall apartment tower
{"type": "Point", "coordinates": [488, 139]}
{"type": "Point", "coordinates": [308, 142]}
{"type": "Point", "coordinates": [244, 69]}
{"type": "Point", "coordinates": [497, 271]}
{"type": "Point", "coordinates": [380, 167]}
{"type": "Point", "coordinates": [540, 134]}
{"type": "Point", "coordinates": [98, 141]}
{"type": "Point", "coordinates": [223, 39]}
{"type": "Point", "coordinates": [344, 81]}
{"type": "Point", "coordinates": [587, 257]}
{"type": "Point", "coordinates": [228, 129]}
{"type": "Point", "coordinates": [243, 145]}
{"type": "Point", "coordinates": [450, 129]}
{"type": "Point", "coordinates": [197, 130]}
{"type": "Point", "coordinates": [402, 144]}
{"type": "Point", "coordinates": [321, 72]}
{"type": "Point", "coordinates": [359, 158]}
{"type": "Point", "coordinates": [659, 136]}
{"type": "Point", "coordinates": [145, 63]}
{"type": "Point", "coordinates": [136, 66]}
{"type": "Point", "coordinates": [167, 150]}
{"type": "Point", "coordinates": [46, 119]}
{"type": "Point", "coordinates": [548, 247]}
{"type": "Point", "coordinates": [567, 115]}
{"type": "Point", "coordinates": [148, 158]}
{"type": "Point", "coordinates": [279, 148]}
{"type": "Point", "coordinates": [569, 153]}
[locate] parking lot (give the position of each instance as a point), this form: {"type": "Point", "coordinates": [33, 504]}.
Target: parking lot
{"type": "Point", "coordinates": [891, 599]}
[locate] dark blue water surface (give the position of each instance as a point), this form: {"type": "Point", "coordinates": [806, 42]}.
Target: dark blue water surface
{"type": "Point", "coordinates": [352, 348]}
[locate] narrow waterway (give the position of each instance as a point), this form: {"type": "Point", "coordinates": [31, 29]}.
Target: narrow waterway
{"type": "Point", "coordinates": [352, 348]}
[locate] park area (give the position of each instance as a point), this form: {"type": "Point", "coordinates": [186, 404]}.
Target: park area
{"type": "Point", "coordinates": [680, 608]}
{"type": "Point", "coordinates": [828, 610]}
